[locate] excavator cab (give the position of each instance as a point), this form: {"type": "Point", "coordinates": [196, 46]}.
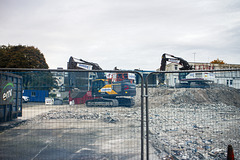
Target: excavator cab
{"type": "Point", "coordinates": [98, 85]}
{"type": "Point", "coordinates": [112, 94]}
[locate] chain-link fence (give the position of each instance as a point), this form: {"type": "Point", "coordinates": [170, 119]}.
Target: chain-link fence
{"type": "Point", "coordinates": [73, 114]}
{"type": "Point", "coordinates": [193, 114]}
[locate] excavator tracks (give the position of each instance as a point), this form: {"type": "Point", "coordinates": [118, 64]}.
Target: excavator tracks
{"type": "Point", "coordinates": [102, 102]}
{"type": "Point", "coordinates": [106, 102]}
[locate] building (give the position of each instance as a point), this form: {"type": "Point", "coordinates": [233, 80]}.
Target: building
{"type": "Point", "coordinates": [59, 78]}
{"type": "Point", "coordinates": [36, 95]}
{"type": "Point", "coordinates": [231, 79]}
{"type": "Point", "coordinates": [60, 88]}
{"type": "Point", "coordinates": [152, 79]}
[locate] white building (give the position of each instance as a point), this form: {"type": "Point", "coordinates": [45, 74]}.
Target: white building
{"type": "Point", "coordinates": [59, 78]}
{"type": "Point", "coordinates": [231, 79]}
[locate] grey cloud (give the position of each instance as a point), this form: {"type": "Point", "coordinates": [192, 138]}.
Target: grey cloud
{"type": "Point", "coordinates": [128, 34]}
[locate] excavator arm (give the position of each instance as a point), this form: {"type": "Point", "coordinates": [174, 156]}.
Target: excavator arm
{"type": "Point", "coordinates": [185, 65]}
{"type": "Point", "coordinates": [75, 63]}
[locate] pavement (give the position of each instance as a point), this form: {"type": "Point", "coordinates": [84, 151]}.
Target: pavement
{"type": "Point", "coordinates": [73, 132]}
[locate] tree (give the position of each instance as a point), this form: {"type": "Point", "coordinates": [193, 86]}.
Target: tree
{"type": "Point", "coordinates": [27, 57]}
{"type": "Point", "coordinates": [217, 61]}
{"type": "Point", "coordinates": [21, 57]}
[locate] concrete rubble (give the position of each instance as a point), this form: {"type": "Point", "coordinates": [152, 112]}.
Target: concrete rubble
{"type": "Point", "coordinates": [78, 113]}
{"type": "Point", "coordinates": [194, 123]}
{"type": "Point", "coordinates": [194, 131]}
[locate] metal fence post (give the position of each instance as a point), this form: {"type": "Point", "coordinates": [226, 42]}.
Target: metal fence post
{"type": "Point", "coordinates": [147, 127]}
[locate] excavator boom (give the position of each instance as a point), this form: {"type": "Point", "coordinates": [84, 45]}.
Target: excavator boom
{"type": "Point", "coordinates": [185, 65]}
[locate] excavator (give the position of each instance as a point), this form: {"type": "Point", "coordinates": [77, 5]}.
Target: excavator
{"type": "Point", "coordinates": [103, 91]}
{"type": "Point", "coordinates": [184, 81]}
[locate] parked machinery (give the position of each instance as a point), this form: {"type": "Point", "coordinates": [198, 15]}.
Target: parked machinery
{"type": "Point", "coordinates": [103, 91]}
{"type": "Point", "coordinates": [185, 80]}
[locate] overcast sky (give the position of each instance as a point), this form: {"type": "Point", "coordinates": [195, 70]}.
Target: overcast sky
{"type": "Point", "coordinates": [129, 34]}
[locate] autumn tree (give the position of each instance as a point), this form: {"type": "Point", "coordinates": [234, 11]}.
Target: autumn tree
{"type": "Point", "coordinates": [27, 57]}
{"type": "Point", "coordinates": [217, 61]}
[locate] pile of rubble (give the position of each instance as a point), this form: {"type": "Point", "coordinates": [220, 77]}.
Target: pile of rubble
{"type": "Point", "coordinates": [187, 131]}
{"type": "Point", "coordinates": [225, 95]}
{"type": "Point", "coordinates": [69, 113]}
{"type": "Point", "coordinates": [194, 123]}
{"type": "Point", "coordinates": [77, 113]}
{"type": "Point", "coordinates": [81, 112]}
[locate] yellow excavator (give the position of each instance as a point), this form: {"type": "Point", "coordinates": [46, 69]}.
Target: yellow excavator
{"type": "Point", "coordinates": [103, 91]}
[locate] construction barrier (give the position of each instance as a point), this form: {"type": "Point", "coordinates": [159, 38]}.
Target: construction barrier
{"type": "Point", "coordinates": [57, 124]}
{"type": "Point", "coordinates": [191, 115]}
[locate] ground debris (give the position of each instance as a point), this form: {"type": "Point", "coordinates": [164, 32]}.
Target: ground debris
{"type": "Point", "coordinates": [194, 123]}
{"type": "Point", "coordinates": [69, 114]}
{"type": "Point", "coordinates": [225, 95]}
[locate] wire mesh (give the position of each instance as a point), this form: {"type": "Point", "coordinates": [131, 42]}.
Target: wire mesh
{"type": "Point", "coordinates": [57, 124]}
{"type": "Point", "coordinates": [193, 115]}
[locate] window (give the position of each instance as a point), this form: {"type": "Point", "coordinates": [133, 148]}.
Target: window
{"type": "Point", "coordinates": [33, 94]}
{"type": "Point", "coordinates": [198, 75]}
{"type": "Point", "coordinates": [176, 67]}
{"type": "Point", "coordinates": [125, 76]}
